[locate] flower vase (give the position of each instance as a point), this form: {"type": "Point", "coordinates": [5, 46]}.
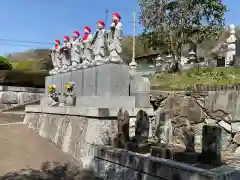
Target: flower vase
{"type": "Point", "coordinates": [62, 100]}
{"type": "Point", "coordinates": [70, 100]}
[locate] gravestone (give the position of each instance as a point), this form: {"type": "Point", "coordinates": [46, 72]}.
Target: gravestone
{"type": "Point", "coordinates": [237, 48]}
{"type": "Point", "coordinates": [189, 139]}
{"type": "Point", "coordinates": [140, 89]}
{"type": "Point", "coordinates": [211, 145]}
{"type": "Point", "coordinates": [123, 123]}
{"type": "Point", "coordinates": [142, 127]}
{"type": "Point", "coordinates": [122, 138]}
{"type": "Point", "coordinates": [159, 124]}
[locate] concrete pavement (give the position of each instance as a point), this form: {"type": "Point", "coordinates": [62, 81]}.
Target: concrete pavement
{"type": "Point", "coordinates": [21, 148]}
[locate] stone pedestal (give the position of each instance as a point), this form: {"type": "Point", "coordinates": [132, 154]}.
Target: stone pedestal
{"type": "Point", "coordinates": [104, 80]}
{"type": "Point", "coordinates": [105, 86]}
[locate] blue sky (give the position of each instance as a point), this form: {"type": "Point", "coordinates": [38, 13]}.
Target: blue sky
{"type": "Point", "coordinates": [47, 20]}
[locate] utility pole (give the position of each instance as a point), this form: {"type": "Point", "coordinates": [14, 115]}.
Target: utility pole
{"type": "Point", "coordinates": [106, 16]}
{"type": "Point", "coordinates": [133, 64]}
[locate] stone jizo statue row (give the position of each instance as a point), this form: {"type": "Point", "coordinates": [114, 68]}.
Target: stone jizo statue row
{"type": "Point", "coordinates": [90, 50]}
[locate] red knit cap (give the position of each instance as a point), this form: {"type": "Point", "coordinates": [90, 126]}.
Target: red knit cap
{"type": "Point", "coordinates": [77, 33]}
{"type": "Point", "coordinates": [87, 28]}
{"type": "Point", "coordinates": [66, 38]}
{"type": "Point", "coordinates": [57, 41]}
{"type": "Point", "coordinates": [101, 23]}
{"type": "Point", "coordinates": [117, 15]}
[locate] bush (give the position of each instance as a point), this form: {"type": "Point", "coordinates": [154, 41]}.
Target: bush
{"type": "Point", "coordinates": [5, 64]}
{"type": "Point", "coordinates": [23, 78]}
{"type": "Point", "coordinates": [29, 65]}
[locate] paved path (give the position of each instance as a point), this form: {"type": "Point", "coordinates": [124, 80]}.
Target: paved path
{"type": "Point", "coordinates": [21, 148]}
{"type": "Point", "coordinates": [10, 118]}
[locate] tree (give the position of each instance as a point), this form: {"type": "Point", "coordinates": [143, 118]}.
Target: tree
{"type": "Point", "coordinates": [5, 64]}
{"type": "Point", "coordinates": [171, 23]}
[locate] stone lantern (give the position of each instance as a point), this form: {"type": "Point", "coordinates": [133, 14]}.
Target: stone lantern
{"type": "Point", "coordinates": [192, 57]}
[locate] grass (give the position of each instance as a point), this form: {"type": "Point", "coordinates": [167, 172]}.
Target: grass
{"type": "Point", "coordinates": [185, 79]}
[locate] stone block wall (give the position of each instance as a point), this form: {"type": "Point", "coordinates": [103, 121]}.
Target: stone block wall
{"type": "Point", "coordinates": [194, 109]}
{"type": "Point", "coordinates": [119, 164]}
{"type": "Point", "coordinates": [11, 96]}
{"type": "Point", "coordinates": [72, 134]}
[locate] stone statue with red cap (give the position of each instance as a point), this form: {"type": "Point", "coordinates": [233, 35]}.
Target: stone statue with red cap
{"type": "Point", "coordinates": [76, 50]}
{"type": "Point", "coordinates": [66, 54]}
{"type": "Point", "coordinates": [115, 37]}
{"type": "Point", "coordinates": [88, 50]}
{"type": "Point", "coordinates": [56, 57]}
{"type": "Point", "coordinates": [100, 44]}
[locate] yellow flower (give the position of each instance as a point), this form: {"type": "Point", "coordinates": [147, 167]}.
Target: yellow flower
{"type": "Point", "coordinates": [68, 86]}
{"type": "Point", "coordinates": [51, 88]}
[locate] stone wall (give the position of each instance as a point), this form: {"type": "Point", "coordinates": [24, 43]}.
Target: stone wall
{"type": "Point", "coordinates": [194, 109]}
{"type": "Point", "coordinates": [75, 129]}
{"type": "Point", "coordinates": [72, 134]}
{"type": "Point", "coordinates": [10, 95]}
{"type": "Point", "coordinates": [118, 164]}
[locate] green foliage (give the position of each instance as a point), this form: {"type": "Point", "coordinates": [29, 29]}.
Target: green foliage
{"type": "Point", "coordinates": [23, 78]}
{"type": "Point", "coordinates": [31, 65]}
{"type": "Point", "coordinates": [171, 23]}
{"type": "Point", "coordinates": [183, 80]}
{"type": "Point", "coordinates": [5, 64]}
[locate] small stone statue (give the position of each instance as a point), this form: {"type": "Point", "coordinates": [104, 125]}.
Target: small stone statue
{"type": "Point", "coordinates": [99, 42]}
{"type": "Point", "coordinates": [87, 43]}
{"type": "Point", "coordinates": [66, 54]}
{"type": "Point", "coordinates": [115, 37]}
{"type": "Point", "coordinates": [56, 58]}
{"type": "Point", "coordinates": [76, 50]}
{"type": "Point", "coordinates": [231, 46]}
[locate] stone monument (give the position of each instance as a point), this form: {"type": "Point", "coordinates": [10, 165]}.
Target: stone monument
{"type": "Point", "coordinates": [100, 81]}
{"type": "Point", "coordinates": [100, 43]}
{"type": "Point", "coordinates": [115, 37]}
{"type": "Point", "coordinates": [231, 46]}
{"type": "Point", "coordinates": [76, 50]}
{"type": "Point", "coordinates": [88, 50]}
{"type": "Point", "coordinates": [66, 54]}
{"type": "Point", "coordinates": [56, 57]}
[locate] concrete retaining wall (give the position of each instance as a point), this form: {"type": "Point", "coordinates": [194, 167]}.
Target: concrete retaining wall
{"type": "Point", "coordinates": [11, 95]}
{"type": "Point", "coordinates": [74, 129]}
{"type": "Point", "coordinates": [118, 164]}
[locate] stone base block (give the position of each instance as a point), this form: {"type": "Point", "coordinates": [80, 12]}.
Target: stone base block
{"type": "Point", "coordinates": [106, 102]}
{"type": "Point", "coordinates": [112, 163]}
{"type": "Point", "coordinates": [84, 111]}
{"type": "Point", "coordinates": [107, 79]}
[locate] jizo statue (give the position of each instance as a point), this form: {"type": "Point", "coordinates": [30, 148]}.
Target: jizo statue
{"type": "Point", "coordinates": [66, 54]}
{"type": "Point", "coordinates": [76, 50]}
{"type": "Point", "coordinates": [56, 57]}
{"type": "Point", "coordinates": [115, 37]}
{"type": "Point", "coordinates": [99, 44]}
{"type": "Point", "coordinates": [82, 52]}
{"type": "Point", "coordinates": [88, 48]}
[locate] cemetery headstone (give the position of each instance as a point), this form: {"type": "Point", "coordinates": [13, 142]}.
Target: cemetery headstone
{"type": "Point", "coordinates": [211, 145]}
{"type": "Point", "coordinates": [189, 139]}
{"type": "Point", "coordinates": [142, 127]}
{"type": "Point", "coordinates": [123, 129]}
{"type": "Point", "coordinates": [237, 48]}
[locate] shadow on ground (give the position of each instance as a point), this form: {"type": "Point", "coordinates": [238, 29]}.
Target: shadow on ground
{"type": "Point", "coordinates": [53, 171]}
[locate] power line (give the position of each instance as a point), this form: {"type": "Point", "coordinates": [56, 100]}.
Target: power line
{"type": "Point", "coordinates": [13, 44]}
{"type": "Point", "coordinates": [22, 41]}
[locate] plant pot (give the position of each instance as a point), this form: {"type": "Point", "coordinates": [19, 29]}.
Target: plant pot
{"type": "Point", "coordinates": [62, 100]}
{"type": "Point", "coordinates": [70, 100]}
